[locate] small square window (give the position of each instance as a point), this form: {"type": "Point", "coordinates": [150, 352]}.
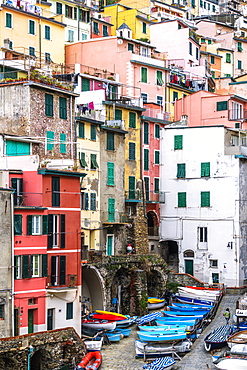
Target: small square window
{"type": "Point", "coordinates": [213, 263]}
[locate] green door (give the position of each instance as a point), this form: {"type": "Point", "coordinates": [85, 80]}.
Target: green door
{"type": "Point", "coordinates": [132, 187]}
{"type": "Point", "coordinates": [50, 315]}
{"type": "Point", "coordinates": [30, 321]}
{"type": "Point", "coordinates": [109, 245]}
{"type": "Point", "coordinates": [111, 210]}
{"type": "Point", "coordinates": [189, 267]}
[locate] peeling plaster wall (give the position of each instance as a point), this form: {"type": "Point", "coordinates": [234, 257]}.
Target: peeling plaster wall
{"type": "Point", "coordinates": [243, 222]}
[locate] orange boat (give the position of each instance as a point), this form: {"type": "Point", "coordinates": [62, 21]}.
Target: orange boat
{"type": "Point", "coordinates": [201, 288]}
{"type": "Point", "coordinates": [92, 360]}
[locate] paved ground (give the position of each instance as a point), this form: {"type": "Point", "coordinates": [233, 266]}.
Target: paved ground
{"type": "Point", "coordinates": [121, 356]}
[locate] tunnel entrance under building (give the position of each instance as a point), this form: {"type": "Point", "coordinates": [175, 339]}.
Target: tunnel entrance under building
{"type": "Point", "coordinates": [92, 289]}
{"type": "Point", "coordinates": [169, 251]}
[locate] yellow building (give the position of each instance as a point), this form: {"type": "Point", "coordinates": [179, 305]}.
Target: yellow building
{"type": "Point", "coordinates": [28, 33]}
{"type": "Point", "coordinates": [138, 22]}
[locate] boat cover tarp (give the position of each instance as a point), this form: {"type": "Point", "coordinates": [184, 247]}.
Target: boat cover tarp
{"type": "Point", "coordinates": [148, 318]}
{"type": "Point", "coordinates": [160, 363]}
{"type": "Point", "coordinates": [219, 334]}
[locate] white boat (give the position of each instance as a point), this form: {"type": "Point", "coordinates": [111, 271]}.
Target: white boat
{"type": "Point", "coordinates": [155, 349]}
{"type": "Point", "coordinates": [93, 345]}
{"type": "Point", "coordinates": [162, 327]}
{"type": "Point", "coordinates": [201, 294]}
{"type": "Point", "coordinates": [232, 364]}
{"type": "Point", "coordinates": [98, 324]}
{"type": "Point", "coordinates": [156, 305]}
{"type": "Point", "coordinates": [237, 338]}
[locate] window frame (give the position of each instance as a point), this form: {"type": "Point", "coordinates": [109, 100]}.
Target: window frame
{"type": "Point", "coordinates": [178, 142]}
{"type": "Point", "coordinates": [110, 173]}
{"type": "Point", "coordinates": [182, 199]}
{"type": "Point", "coordinates": [205, 199]}
{"type": "Point", "coordinates": [157, 157]}
{"type": "Point", "coordinates": [31, 27]}
{"type": "Point", "coordinates": [93, 161]}
{"type": "Point", "coordinates": [144, 75]}
{"type": "Point", "coordinates": [110, 141]}
{"type": "Point", "coordinates": [205, 169]}
{"type": "Point", "coordinates": [8, 20]}
{"type": "Point", "coordinates": [47, 32]}
{"type": "Point", "coordinates": [132, 151]}
{"type": "Point", "coordinates": [181, 170]}
{"type": "Point", "coordinates": [132, 120]}
{"type": "Point", "coordinates": [49, 105]}
{"type": "Point", "coordinates": [146, 159]}
{"type": "Point", "coordinates": [62, 107]}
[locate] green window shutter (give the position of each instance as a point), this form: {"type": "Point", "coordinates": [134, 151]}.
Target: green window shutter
{"type": "Point", "coordinates": [156, 185]}
{"type": "Point", "coordinates": [118, 114]}
{"type": "Point", "coordinates": [93, 132]}
{"type": "Point", "coordinates": [222, 105]}
{"type": "Point", "coordinates": [18, 224]}
{"type": "Point", "coordinates": [44, 265]}
{"type": "Point", "coordinates": [47, 33]}
{"type": "Point", "coordinates": [228, 58]}
{"type": "Point", "coordinates": [95, 28]}
{"type": "Point", "coordinates": [25, 267]}
{"type": "Point", "coordinates": [105, 31]}
{"type": "Point", "coordinates": [205, 199]}
{"type": "Point", "coordinates": [240, 47]}
{"type": "Point", "coordinates": [205, 169]}
{"type": "Point", "coordinates": [45, 224]}
{"type": "Point", "coordinates": [144, 75]}
{"type": "Point", "coordinates": [132, 187]}
{"type": "Point", "coordinates": [146, 159]}
{"type": "Point", "coordinates": [29, 224]}
{"type": "Point", "coordinates": [62, 108]}
{"type": "Point", "coordinates": [111, 210]}
{"type": "Point", "coordinates": [49, 140]}
{"type": "Point", "coordinates": [55, 192]}
{"type": "Point", "coordinates": [212, 60]}
{"type": "Point", "coordinates": [110, 141]}
{"type": "Point", "coordinates": [144, 27]}
{"type": "Point", "coordinates": [178, 142]}
{"type": "Point", "coordinates": [159, 78]}
{"type": "Point", "coordinates": [93, 202]}
{"type": "Point", "coordinates": [59, 8]}
{"type": "Point", "coordinates": [31, 27]}
{"type": "Point", "coordinates": [132, 151]}
{"type": "Point", "coordinates": [94, 164]}
{"type": "Point", "coordinates": [14, 148]}
{"type": "Point", "coordinates": [15, 267]}
{"type": "Point", "coordinates": [8, 20]}
{"type": "Point", "coordinates": [75, 13]}
{"type": "Point", "coordinates": [63, 231]}
{"type": "Point", "coordinates": [85, 85]}
{"type": "Point", "coordinates": [175, 95]}
{"type": "Point", "coordinates": [146, 133]}
{"type": "Point", "coordinates": [49, 105]}
{"type": "Point", "coordinates": [132, 120]}
{"type": "Point", "coordinates": [239, 64]}
{"type": "Point", "coordinates": [86, 201]}
{"type": "Point", "coordinates": [50, 231]}
{"type": "Point", "coordinates": [81, 130]}
{"type": "Point", "coordinates": [69, 311]}
{"type": "Point", "coordinates": [31, 51]}
{"type": "Point", "coordinates": [190, 48]}
{"type": "Point", "coordinates": [157, 131]}
{"type": "Point", "coordinates": [62, 275]}
{"type": "Point", "coordinates": [130, 47]}
{"type": "Point", "coordinates": [146, 182]}
{"type": "Point", "coordinates": [157, 157]}
{"type": "Point", "coordinates": [63, 143]}
{"type": "Point", "coordinates": [66, 10]}
{"type": "Point", "coordinates": [181, 170]}
{"type": "Point", "coordinates": [181, 199]}
{"type": "Point", "coordinates": [110, 173]}
{"type": "Point", "coordinates": [82, 160]}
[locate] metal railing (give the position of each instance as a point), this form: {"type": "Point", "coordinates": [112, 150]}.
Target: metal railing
{"type": "Point", "coordinates": [68, 280]}
{"type": "Point", "coordinates": [133, 195]}
{"type": "Point", "coordinates": [116, 217]}
{"type": "Point", "coordinates": [155, 113]}
{"type": "Point", "coordinates": [237, 114]}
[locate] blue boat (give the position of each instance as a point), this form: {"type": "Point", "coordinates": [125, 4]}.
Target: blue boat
{"type": "Point", "coordinates": [124, 331]}
{"type": "Point", "coordinates": [192, 306]}
{"type": "Point", "coordinates": [196, 301]}
{"type": "Point", "coordinates": [149, 337]}
{"type": "Point", "coordinates": [162, 331]}
{"type": "Point", "coordinates": [114, 337]}
{"type": "Point", "coordinates": [189, 310]}
{"type": "Point", "coordinates": [162, 327]}
{"type": "Point", "coordinates": [126, 322]}
{"type": "Point", "coordinates": [218, 337]}
{"type": "Point", "coordinates": [188, 314]}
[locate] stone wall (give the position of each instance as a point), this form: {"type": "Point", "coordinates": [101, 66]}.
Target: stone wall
{"type": "Point", "coordinates": [184, 279]}
{"type": "Point", "coordinates": [140, 231]}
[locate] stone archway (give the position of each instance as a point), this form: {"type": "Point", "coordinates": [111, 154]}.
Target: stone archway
{"type": "Point", "coordinates": [36, 360]}
{"type": "Point", "coordinates": [156, 285]}
{"type": "Point", "coordinates": [92, 288]}
{"type": "Point", "coordinates": [153, 224]}
{"type": "Point", "coordinates": [120, 289]}
{"type": "Point", "coordinates": [8, 363]}
{"type": "Point", "coordinates": [169, 251]}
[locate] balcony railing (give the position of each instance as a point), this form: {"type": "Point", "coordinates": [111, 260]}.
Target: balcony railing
{"type": "Point", "coordinates": [83, 111]}
{"type": "Point", "coordinates": [68, 280]}
{"type": "Point", "coordinates": [133, 195]}
{"type": "Point", "coordinates": [237, 114]}
{"type": "Point", "coordinates": [115, 123]}
{"type": "Point", "coordinates": [28, 199]}
{"type": "Point", "coordinates": [116, 217]}
{"type": "Point", "coordinates": [155, 197]}
{"type": "Point", "coordinates": [148, 60]}
{"type": "Point", "coordinates": [155, 113]}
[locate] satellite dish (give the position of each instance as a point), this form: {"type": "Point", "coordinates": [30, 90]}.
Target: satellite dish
{"type": "Point", "coordinates": [119, 41]}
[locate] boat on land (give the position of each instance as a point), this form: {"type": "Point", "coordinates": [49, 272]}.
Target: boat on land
{"type": "Point", "coordinates": [126, 322]}
{"type": "Point", "coordinates": [231, 364]}
{"type": "Point", "coordinates": [92, 360]}
{"type": "Point", "coordinates": [194, 311]}
{"type": "Point", "coordinates": [124, 331]}
{"type": "Point", "coordinates": [114, 337]}
{"type": "Point", "coordinates": [94, 344]}
{"type": "Point", "coordinates": [201, 294]}
{"type": "Point", "coordinates": [192, 306]}
{"type": "Point", "coordinates": [153, 337]}
{"type": "Point", "coordinates": [163, 363]}
{"type": "Point", "coordinates": [98, 324]}
{"type": "Point", "coordinates": [111, 313]}
{"type": "Point", "coordinates": [237, 338]}
{"type": "Point", "coordinates": [193, 300]}
{"type": "Point", "coordinates": [218, 337]}
{"type": "Point", "coordinates": [189, 315]}
{"type": "Point", "coordinates": [159, 349]}
{"type": "Point", "coordinates": [203, 288]}
{"type": "Point", "coordinates": [155, 303]}
{"type": "Point", "coordinates": [162, 327]}
{"type": "Point", "coordinates": [107, 316]}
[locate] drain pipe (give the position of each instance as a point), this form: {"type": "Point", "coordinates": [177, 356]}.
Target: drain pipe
{"type": "Point", "coordinates": [30, 351]}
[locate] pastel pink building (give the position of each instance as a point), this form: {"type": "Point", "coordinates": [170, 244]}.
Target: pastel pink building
{"type": "Point", "coordinates": [209, 109]}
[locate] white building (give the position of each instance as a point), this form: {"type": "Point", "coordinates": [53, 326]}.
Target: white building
{"type": "Point", "coordinates": [203, 222]}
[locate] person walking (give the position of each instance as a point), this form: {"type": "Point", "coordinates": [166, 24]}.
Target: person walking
{"type": "Point", "coordinates": [227, 315]}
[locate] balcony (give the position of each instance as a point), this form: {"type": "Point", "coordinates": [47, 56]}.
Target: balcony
{"type": "Point", "coordinates": [152, 197]}
{"type": "Point", "coordinates": [116, 217]}
{"type": "Point", "coordinates": [83, 112]}
{"type": "Point", "coordinates": [155, 113]}
{"type": "Point", "coordinates": [146, 59]}
{"type": "Point", "coordinates": [237, 114]}
{"type": "Point", "coordinates": [61, 281]}
{"type": "Point", "coordinates": [27, 199]}
{"type": "Point", "coordinates": [133, 195]}
{"type": "Point", "coordinates": [115, 123]}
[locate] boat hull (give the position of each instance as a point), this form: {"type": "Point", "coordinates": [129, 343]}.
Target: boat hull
{"type": "Point", "coordinates": [98, 325]}
{"type": "Point", "coordinates": [218, 337]}
{"type": "Point", "coordinates": [194, 300]}
{"type": "Point", "coordinates": [237, 338]}
{"type": "Point", "coordinates": [232, 363]}
{"type": "Point", "coordinates": [92, 359]}
{"type": "Point", "coordinates": [159, 349]}
{"type": "Point", "coordinates": [149, 337]}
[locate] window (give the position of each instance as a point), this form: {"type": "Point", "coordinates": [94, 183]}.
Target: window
{"type": "Point", "coordinates": [144, 97]}
{"type": "Point", "coordinates": [239, 64]}
{"type": "Point", "coordinates": [213, 8]}
{"type": "Point", "coordinates": [130, 47]}
{"type": "Point", "coordinates": [82, 159]}
{"type": "Point", "coordinates": [146, 183]}
{"type": "Point", "coordinates": [132, 151]}
{"type": "Point", "coordinates": [69, 311]}
{"type": "Point", "coordinates": [84, 201]}
{"type": "Point", "coordinates": [132, 120]}
{"type": "Point", "coordinates": [197, 53]}
{"type": "Point", "coordinates": [159, 78]}
{"type": "Point", "coordinates": [190, 48]}
{"type": "Point", "coordinates": [49, 105]}
{"type": "Point", "coordinates": [110, 173]}
{"type": "Point", "coordinates": [118, 114]}
{"type": "Point", "coordinates": [144, 74]}
{"type": "Point", "coordinates": [68, 11]}
{"type": "Point", "coordinates": [48, 58]}
{"type": "Point", "coordinates": [221, 105]}
{"type": "Point", "coordinates": [93, 202]}
{"type": "Point", "coordinates": [37, 225]}
{"type": "Point", "coordinates": [105, 30]}
{"type": "Point", "coordinates": [203, 41]}
{"type": "Point", "coordinates": [175, 96]}
{"type": "Point", "coordinates": [193, 4]}
{"type": "Point", "coordinates": [213, 74]}
{"type": "Point", "coordinates": [110, 141]}
{"type": "Point", "coordinates": [95, 28]}
{"type": "Point", "coordinates": [18, 267]}
{"type": "Point", "coordinates": [213, 263]}
{"type": "Point", "coordinates": [55, 192]}
{"type": "Point", "coordinates": [58, 270]}
{"type": "Point", "coordinates": [49, 140]}
{"type": "Point", "coordinates": [59, 8]}
{"type": "Point", "coordinates": [212, 59]}
{"type": "Point", "coordinates": [209, 42]}
{"type": "Point", "coordinates": [157, 131]}
{"type": "Point", "coordinates": [146, 133]}
{"type": "Point", "coordinates": [83, 36]}
{"type": "Point", "coordinates": [70, 36]}
{"type": "Point", "coordinates": [181, 199]}
{"type": "Point", "coordinates": [32, 51]}
{"type": "Point", "coordinates": [31, 28]}
{"type": "Point", "coordinates": [228, 58]}
{"type": "Point", "coordinates": [111, 210]}
{"type": "Point", "coordinates": [18, 224]}
{"type": "Point", "coordinates": [205, 5]}
{"type": "Point", "coordinates": [84, 16]}
{"type": "Point", "coordinates": [93, 132]}
{"type": "Point", "coordinates": [63, 143]}
{"type": "Point", "coordinates": [205, 169]}
{"type": "Point", "coordinates": [14, 148]}
{"type": "Point", "coordinates": [62, 108]}
{"type": "Point", "coordinates": [85, 84]}
{"type": "Point", "coordinates": [156, 185]}
{"type": "Point", "coordinates": [8, 20]}
{"type": "Point", "coordinates": [75, 13]}
{"type": "Point", "coordinates": [215, 278]}
{"type": "Point", "coordinates": [159, 99]}
{"type": "Point", "coordinates": [237, 110]}
{"type": "Point", "coordinates": [81, 130]}
{"type": "Point", "coordinates": [208, 6]}
{"type": "Point", "coordinates": [56, 231]}
{"type": "Point", "coordinates": [205, 199]}
{"type": "Point", "coordinates": [35, 266]}
{"type": "Point", "coordinates": [178, 142]}
{"type": "Point", "coordinates": [132, 187]}
{"type": "Point", "coordinates": [179, 26]}
{"type": "Point", "coordinates": [94, 164]}
{"type": "Point", "coordinates": [146, 160]}
{"type": "Point", "coordinates": [240, 47]}
{"type": "Point", "coordinates": [203, 234]}
{"type": "Point", "coordinates": [17, 185]}
{"type": "Point", "coordinates": [201, 3]}
{"type": "Point", "coordinates": [156, 157]}
{"type": "Point", "coordinates": [144, 27]}
{"type": "Point", "coordinates": [47, 32]}
{"type": "Point", "coordinates": [181, 170]}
